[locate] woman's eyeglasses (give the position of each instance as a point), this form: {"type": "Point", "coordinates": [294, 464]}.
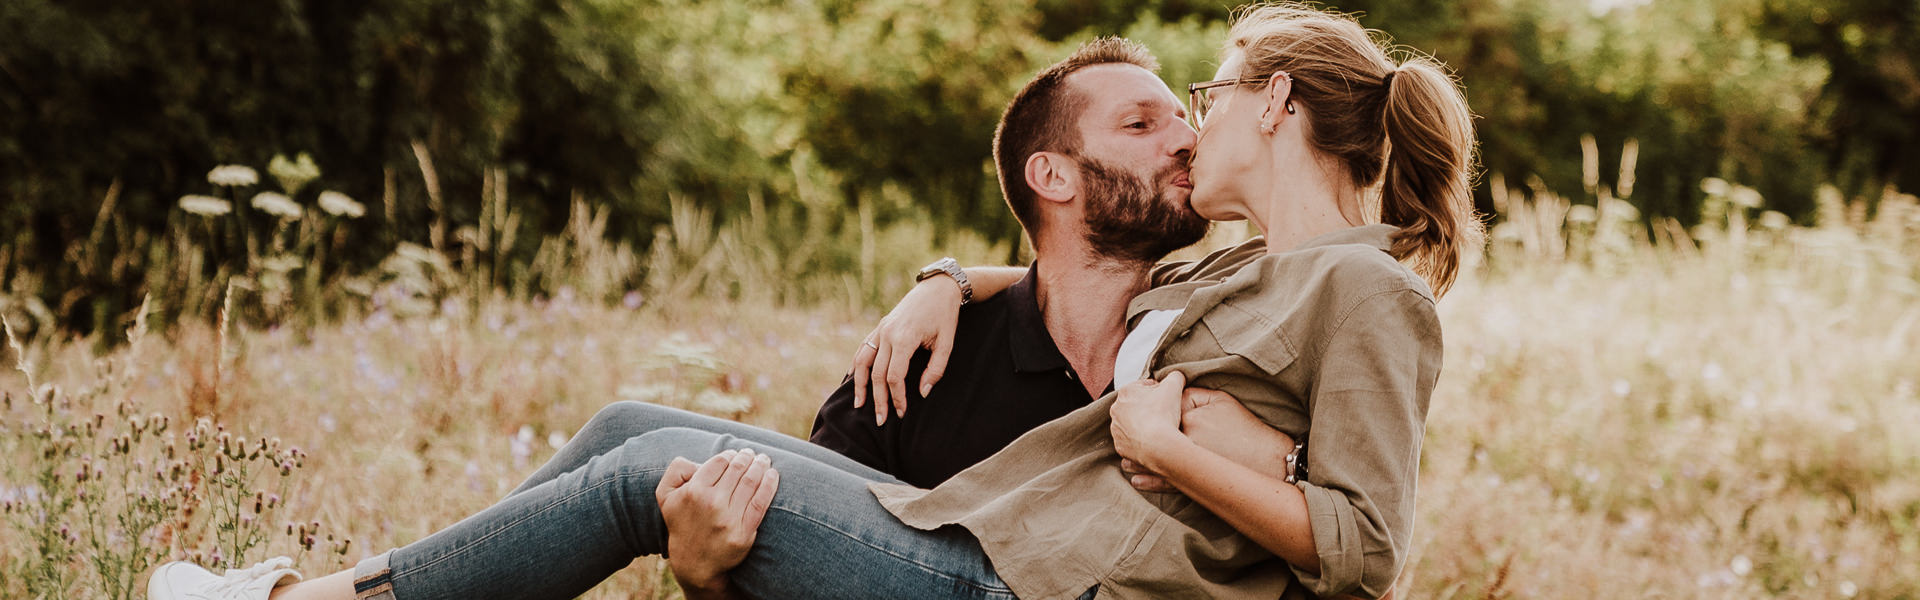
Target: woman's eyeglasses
{"type": "Point", "coordinates": [1199, 99]}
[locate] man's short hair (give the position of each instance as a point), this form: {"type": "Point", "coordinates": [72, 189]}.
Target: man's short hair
{"type": "Point", "coordinates": [1042, 117]}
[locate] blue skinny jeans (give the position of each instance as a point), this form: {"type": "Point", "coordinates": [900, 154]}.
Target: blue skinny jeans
{"type": "Point", "coordinates": [590, 511]}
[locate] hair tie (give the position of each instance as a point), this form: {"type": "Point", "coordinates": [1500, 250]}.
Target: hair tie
{"type": "Point", "coordinates": [1387, 81]}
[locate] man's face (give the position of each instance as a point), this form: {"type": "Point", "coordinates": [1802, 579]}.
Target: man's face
{"type": "Point", "coordinates": [1134, 146]}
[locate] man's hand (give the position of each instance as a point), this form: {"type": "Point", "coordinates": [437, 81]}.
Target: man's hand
{"type": "Point", "coordinates": [713, 512]}
{"type": "Point", "coordinates": [1218, 422]}
{"type": "Point", "coordinates": [925, 318]}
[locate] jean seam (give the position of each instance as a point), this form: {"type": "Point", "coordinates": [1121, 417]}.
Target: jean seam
{"type": "Point", "coordinates": [396, 574]}
{"type": "Point", "coordinates": [923, 566]}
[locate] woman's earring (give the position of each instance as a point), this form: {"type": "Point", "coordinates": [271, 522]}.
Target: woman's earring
{"type": "Point", "coordinates": [1289, 107]}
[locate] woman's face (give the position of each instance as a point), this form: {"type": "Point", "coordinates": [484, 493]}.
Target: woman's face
{"type": "Point", "coordinates": [1231, 159]}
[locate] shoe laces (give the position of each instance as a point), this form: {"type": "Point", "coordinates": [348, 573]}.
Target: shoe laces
{"type": "Point", "coordinates": [238, 579]}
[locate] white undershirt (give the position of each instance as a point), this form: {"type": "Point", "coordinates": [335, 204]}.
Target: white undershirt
{"type": "Point", "coordinates": [1131, 363]}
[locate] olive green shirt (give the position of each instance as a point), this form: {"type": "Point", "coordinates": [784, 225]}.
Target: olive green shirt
{"type": "Point", "coordinates": [1334, 342]}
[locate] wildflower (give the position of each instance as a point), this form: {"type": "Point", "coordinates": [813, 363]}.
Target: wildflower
{"type": "Point", "coordinates": [1741, 565]}
{"type": "Point", "coordinates": [233, 176]}
{"type": "Point", "coordinates": [1582, 214]}
{"type": "Point", "coordinates": [293, 174]}
{"type": "Point", "coordinates": [205, 206]}
{"type": "Point", "coordinates": [339, 205]}
{"type": "Point", "coordinates": [277, 204]}
{"type": "Point", "coordinates": [1774, 220]}
{"type": "Point", "coordinates": [556, 439]}
{"type": "Point", "coordinates": [1714, 186]}
{"type": "Point", "coordinates": [714, 401]}
{"type": "Point", "coordinates": [645, 392]}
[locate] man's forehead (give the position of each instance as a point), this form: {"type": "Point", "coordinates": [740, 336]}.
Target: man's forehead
{"type": "Point", "coordinates": [1116, 86]}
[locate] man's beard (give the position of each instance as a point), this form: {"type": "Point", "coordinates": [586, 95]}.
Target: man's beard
{"type": "Point", "coordinates": [1128, 220]}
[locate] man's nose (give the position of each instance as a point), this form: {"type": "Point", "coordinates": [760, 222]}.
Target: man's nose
{"type": "Point", "coordinates": [1184, 139]}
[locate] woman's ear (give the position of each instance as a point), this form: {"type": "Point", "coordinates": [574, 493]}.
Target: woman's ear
{"type": "Point", "coordinates": [1279, 106]}
{"type": "Point", "coordinates": [1053, 176]}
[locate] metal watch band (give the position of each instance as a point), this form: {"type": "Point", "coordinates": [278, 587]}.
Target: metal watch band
{"type": "Point", "coordinates": [951, 268]}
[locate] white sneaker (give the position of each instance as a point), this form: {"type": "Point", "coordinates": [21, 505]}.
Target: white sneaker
{"type": "Point", "coordinates": [188, 581]}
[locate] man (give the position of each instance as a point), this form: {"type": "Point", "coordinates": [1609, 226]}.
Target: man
{"type": "Point", "coordinates": [1092, 158]}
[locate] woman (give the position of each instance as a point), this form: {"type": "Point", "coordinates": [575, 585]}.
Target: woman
{"type": "Point", "coordinates": [1320, 323]}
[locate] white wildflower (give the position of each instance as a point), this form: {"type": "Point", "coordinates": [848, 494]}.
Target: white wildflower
{"type": "Point", "coordinates": [556, 439]}
{"type": "Point", "coordinates": [233, 175]}
{"type": "Point", "coordinates": [1622, 211]}
{"type": "Point", "coordinates": [1506, 232]}
{"type": "Point", "coordinates": [718, 402]}
{"type": "Point", "coordinates": [1774, 220]}
{"type": "Point", "coordinates": [1714, 186]}
{"type": "Point", "coordinates": [1741, 565]}
{"type": "Point", "coordinates": [293, 174]}
{"type": "Point", "coordinates": [1581, 213]}
{"type": "Point", "coordinates": [1848, 589]}
{"type": "Point", "coordinates": [646, 392]}
{"type": "Point", "coordinates": [205, 206]}
{"type": "Point", "coordinates": [339, 205]}
{"type": "Point", "coordinates": [277, 204]}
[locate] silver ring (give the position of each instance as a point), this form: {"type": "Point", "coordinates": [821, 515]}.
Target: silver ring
{"type": "Point", "coordinates": [869, 344]}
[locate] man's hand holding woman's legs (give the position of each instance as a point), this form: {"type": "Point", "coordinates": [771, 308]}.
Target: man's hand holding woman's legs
{"type": "Point", "coordinates": [712, 513]}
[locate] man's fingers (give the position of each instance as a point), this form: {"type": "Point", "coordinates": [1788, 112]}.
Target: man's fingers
{"type": "Point", "coordinates": [711, 470]}
{"type": "Point", "coordinates": [761, 499]}
{"type": "Point", "coordinates": [678, 472]}
{"type": "Point", "coordinates": [878, 390]}
{"type": "Point", "coordinates": [937, 362]}
{"type": "Point", "coordinates": [749, 481]}
{"type": "Point", "coordinates": [1149, 483]}
{"type": "Point", "coordinates": [735, 468]}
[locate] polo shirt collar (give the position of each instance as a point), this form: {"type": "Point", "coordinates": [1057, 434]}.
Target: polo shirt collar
{"type": "Point", "coordinates": [1028, 341]}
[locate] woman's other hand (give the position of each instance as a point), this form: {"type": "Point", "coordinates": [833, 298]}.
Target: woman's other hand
{"type": "Point", "coordinates": [1216, 421]}
{"type": "Point", "coordinates": [925, 318]}
{"type": "Point", "coordinates": [1146, 419]}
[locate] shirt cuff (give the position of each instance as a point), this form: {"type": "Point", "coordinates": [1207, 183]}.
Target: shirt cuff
{"type": "Point", "coordinates": [1337, 539]}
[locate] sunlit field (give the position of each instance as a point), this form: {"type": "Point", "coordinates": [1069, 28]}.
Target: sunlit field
{"type": "Point", "coordinates": [1617, 418]}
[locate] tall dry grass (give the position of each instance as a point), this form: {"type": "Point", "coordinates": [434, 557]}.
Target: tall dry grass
{"type": "Point", "coordinates": [1703, 413]}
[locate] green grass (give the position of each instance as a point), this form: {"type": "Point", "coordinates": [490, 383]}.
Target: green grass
{"type": "Point", "coordinates": [1620, 420]}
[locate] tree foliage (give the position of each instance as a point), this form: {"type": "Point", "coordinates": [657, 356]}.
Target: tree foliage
{"type": "Point", "coordinates": [830, 109]}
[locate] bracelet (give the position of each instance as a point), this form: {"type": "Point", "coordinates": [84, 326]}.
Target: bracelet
{"type": "Point", "coordinates": [1297, 463]}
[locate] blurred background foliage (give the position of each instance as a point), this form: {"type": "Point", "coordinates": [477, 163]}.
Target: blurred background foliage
{"type": "Point", "coordinates": [517, 135]}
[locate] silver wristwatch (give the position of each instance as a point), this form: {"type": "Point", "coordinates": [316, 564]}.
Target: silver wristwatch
{"type": "Point", "coordinates": [951, 268]}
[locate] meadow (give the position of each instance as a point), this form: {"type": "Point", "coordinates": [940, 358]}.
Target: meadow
{"type": "Point", "coordinates": [1625, 411]}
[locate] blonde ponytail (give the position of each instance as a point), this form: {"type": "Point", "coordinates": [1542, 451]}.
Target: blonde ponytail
{"type": "Point", "coordinates": [1427, 187]}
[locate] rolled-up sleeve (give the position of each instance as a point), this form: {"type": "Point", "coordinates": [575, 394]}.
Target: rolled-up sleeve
{"type": "Point", "coordinates": [1369, 408]}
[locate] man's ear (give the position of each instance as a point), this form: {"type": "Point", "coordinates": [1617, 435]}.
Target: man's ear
{"type": "Point", "coordinates": [1053, 176]}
